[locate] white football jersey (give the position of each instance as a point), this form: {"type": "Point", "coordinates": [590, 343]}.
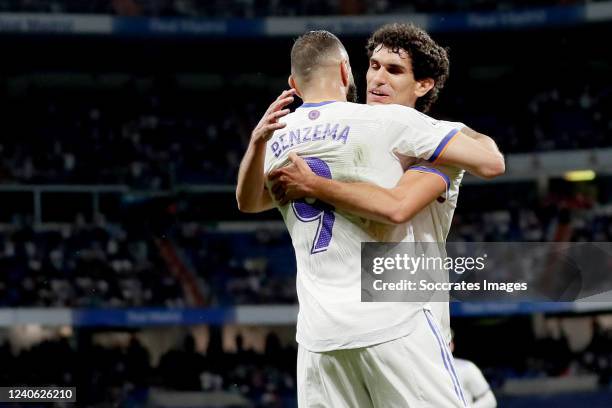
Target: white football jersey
{"type": "Point", "coordinates": [348, 142]}
{"type": "Point", "coordinates": [433, 222]}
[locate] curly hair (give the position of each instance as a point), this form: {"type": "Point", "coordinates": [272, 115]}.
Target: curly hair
{"type": "Point", "coordinates": [429, 60]}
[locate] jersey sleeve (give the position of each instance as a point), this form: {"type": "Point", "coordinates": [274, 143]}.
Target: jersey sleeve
{"type": "Point", "coordinates": [415, 134]}
{"type": "Point", "coordinates": [457, 125]}
{"type": "Point", "coordinates": [451, 175]}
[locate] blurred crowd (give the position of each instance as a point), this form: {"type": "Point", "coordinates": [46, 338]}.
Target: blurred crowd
{"type": "Point", "coordinates": [552, 118]}
{"type": "Point", "coordinates": [240, 267]}
{"type": "Point", "coordinates": [83, 265]}
{"type": "Point", "coordinates": [152, 142]}
{"type": "Point", "coordinates": [172, 136]}
{"type": "Point", "coordinates": [552, 356]}
{"type": "Point", "coordinates": [123, 375]}
{"type": "Point", "coordinates": [258, 8]}
{"type": "Point", "coordinates": [574, 219]}
{"type": "Point", "coordinates": [110, 264]}
{"type": "Point", "coordinates": [534, 359]}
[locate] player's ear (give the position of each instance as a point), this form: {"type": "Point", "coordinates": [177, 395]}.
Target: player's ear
{"type": "Point", "coordinates": [344, 73]}
{"type": "Point", "coordinates": [293, 84]}
{"type": "Point", "coordinates": [423, 86]}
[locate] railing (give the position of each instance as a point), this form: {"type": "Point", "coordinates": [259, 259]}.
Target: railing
{"type": "Point", "coordinates": [41, 192]}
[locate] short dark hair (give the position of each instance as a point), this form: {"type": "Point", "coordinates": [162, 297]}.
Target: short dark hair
{"type": "Point", "coordinates": [429, 60]}
{"type": "Point", "coordinates": [310, 50]}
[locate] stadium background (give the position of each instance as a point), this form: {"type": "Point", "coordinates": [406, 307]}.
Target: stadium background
{"type": "Point", "coordinates": [126, 269]}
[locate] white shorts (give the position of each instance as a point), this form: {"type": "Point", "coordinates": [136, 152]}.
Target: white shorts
{"type": "Point", "coordinates": [413, 371]}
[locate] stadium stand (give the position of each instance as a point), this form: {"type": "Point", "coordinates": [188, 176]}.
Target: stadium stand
{"type": "Point", "coordinates": [165, 138]}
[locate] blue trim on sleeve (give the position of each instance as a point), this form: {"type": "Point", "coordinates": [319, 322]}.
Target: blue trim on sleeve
{"type": "Point", "coordinates": [434, 171]}
{"type": "Point", "coordinates": [314, 105]}
{"type": "Point", "coordinates": [442, 145]}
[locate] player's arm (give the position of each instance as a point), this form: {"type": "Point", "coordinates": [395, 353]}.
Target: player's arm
{"type": "Point", "coordinates": [251, 194]}
{"type": "Point", "coordinates": [472, 151]}
{"type": "Point", "coordinates": [440, 142]}
{"type": "Point", "coordinates": [397, 205]}
{"type": "Point", "coordinates": [484, 140]}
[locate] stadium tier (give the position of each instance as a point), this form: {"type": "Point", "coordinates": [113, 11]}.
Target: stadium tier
{"type": "Point", "coordinates": [170, 137]}
{"type": "Point", "coordinates": [106, 264]}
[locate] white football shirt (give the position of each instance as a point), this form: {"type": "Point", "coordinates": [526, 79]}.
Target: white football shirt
{"type": "Point", "coordinates": [433, 222]}
{"type": "Point", "coordinates": [348, 142]}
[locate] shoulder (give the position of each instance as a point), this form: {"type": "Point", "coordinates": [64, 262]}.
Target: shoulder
{"type": "Point", "coordinates": [392, 111]}
{"type": "Point", "coordinates": [355, 109]}
{"type": "Point", "coordinates": [457, 125]}
{"type": "Point", "coordinates": [407, 116]}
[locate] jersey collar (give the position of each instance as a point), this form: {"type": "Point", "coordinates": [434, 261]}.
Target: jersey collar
{"type": "Point", "coordinates": [314, 105]}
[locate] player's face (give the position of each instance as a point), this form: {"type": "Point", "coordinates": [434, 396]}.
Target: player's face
{"type": "Point", "coordinates": [390, 78]}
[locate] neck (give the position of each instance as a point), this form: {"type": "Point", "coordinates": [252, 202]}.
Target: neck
{"type": "Point", "coordinates": [323, 89]}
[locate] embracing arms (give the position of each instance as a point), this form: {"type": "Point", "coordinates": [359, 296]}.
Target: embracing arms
{"type": "Point", "coordinates": [474, 152]}
{"type": "Point", "coordinates": [391, 206]}
{"type": "Point", "coordinates": [251, 194]}
{"type": "Point", "coordinates": [415, 190]}
{"type": "Point", "coordinates": [468, 149]}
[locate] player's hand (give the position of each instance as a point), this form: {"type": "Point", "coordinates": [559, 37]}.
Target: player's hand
{"type": "Point", "coordinates": [269, 121]}
{"type": "Point", "coordinates": [292, 182]}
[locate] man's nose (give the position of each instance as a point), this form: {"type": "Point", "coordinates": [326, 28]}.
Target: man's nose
{"type": "Point", "coordinates": [380, 78]}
